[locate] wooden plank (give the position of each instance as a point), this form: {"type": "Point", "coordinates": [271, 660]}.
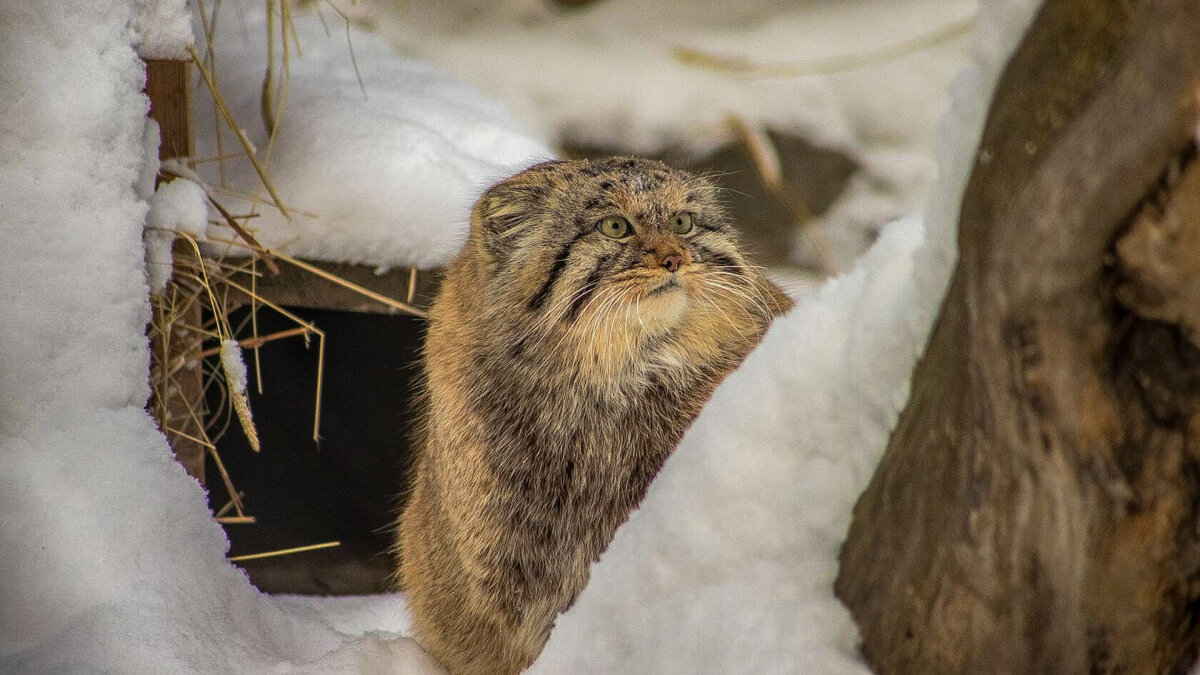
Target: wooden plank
{"type": "Point", "coordinates": [294, 287]}
{"type": "Point", "coordinates": [170, 95]}
{"type": "Point", "coordinates": [178, 401]}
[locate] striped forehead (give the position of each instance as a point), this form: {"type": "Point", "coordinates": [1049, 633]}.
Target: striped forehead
{"type": "Point", "coordinates": [575, 193]}
{"type": "Point", "coordinates": [637, 173]}
{"type": "Point", "coordinates": [640, 195]}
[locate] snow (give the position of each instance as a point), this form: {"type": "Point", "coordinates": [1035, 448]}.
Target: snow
{"type": "Point", "coordinates": [608, 74]}
{"type": "Point", "coordinates": [383, 613]}
{"type": "Point", "coordinates": [176, 207]}
{"type": "Point", "coordinates": [235, 367]}
{"type": "Point", "coordinates": [384, 174]}
{"type": "Point", "coordinates": [151, 137]}
{"type": "Point", "coordinates": [235, 377]}
{"type": "Point", "coordinates": [112, 562]}
{"type": "Point", "coordinates": [162, 29]}
{"type": "Point", "coordinates": [160, 259]}
{"type": "Point", "coordinates": [179, 205]}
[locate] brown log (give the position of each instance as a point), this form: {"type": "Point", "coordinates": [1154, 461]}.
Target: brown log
{"type": "Point", "coordinates": [1036, 509]}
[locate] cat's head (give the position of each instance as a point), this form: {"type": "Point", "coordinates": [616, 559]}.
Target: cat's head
{"type": "Point", "coordinates": [614, 250]}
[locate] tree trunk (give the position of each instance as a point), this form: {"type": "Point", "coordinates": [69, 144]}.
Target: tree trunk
{"type": "Point", "coordinates": [1036, 508]}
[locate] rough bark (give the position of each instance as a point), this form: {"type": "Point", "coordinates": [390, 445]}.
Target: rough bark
{"type": "Point", "coordinates": [1036, 508]}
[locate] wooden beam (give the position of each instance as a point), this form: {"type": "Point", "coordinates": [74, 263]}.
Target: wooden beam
{"type": "Point", "coordinates": [294, 287]}
{"type": "Point", "coordinates": [170, 95]}
{"type": "Point", "coordinates": [178, 400]}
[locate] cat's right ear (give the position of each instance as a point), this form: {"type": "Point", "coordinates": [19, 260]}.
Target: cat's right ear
{"type": "Point", "coordinates": [500, 215]}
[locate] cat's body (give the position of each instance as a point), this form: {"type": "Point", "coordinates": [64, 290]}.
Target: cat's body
{"type": "Point", "coordinates": [563, 366]}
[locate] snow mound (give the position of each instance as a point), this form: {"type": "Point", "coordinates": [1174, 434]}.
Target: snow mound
{"type": "Point", "coordinates": [383, 174]}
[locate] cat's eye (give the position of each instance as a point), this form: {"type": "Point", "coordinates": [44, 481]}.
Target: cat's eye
{"type": "Point", "coordinates": [681, 223]}
{"type": "Point", "coordinates": [614, 227]}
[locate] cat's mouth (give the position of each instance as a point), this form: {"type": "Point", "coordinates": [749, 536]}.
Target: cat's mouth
{"type": "Point", "coordinates": [670, 284]}
{"type": "Point", "coordinates": [662, 304]}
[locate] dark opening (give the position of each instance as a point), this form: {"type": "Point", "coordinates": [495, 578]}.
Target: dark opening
{"type": "Point", "coordinates": [347, 487]}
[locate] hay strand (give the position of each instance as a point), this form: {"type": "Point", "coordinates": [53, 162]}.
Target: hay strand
{"type": "Point", "coordinates": [320, 348]}
{"type": "Point", "coordinates": [349, 47]}
{"type": "Point", "coordinates": [206, 22]}
{"type": "Point", "coordinates": [245, 234]}
{"type": "Point", "coordinates": [285, 551]}
{"type": "Point", "coordinates": [258, 341]}
{"type": "Point", "coordinates": [235, 520]}
{"type": "Point", "coordinates": [241, 135]}
{"type": "Point", "coordinates": [228, 505]}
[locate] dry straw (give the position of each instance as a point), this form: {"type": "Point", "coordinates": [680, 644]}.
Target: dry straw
{"type": "Point", "coordinates": [285, 551]}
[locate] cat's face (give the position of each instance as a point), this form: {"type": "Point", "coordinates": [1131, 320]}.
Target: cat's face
{"type": "Point", "coordinates": [614, 251]}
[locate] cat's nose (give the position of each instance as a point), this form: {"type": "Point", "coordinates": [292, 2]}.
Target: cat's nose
{"type": "Point", "coordinates": [672, 262]}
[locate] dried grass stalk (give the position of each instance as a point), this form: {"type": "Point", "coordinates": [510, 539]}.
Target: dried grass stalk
{"type": "Point", "coordinates": [235, 378]}
{"type": "Point", "coordinates": [285, 551]}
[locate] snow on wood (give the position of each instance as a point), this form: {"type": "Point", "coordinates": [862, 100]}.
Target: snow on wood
{"type": "Point", "coordinates": [162, 29]}
{"type": "Point", "coordinates": [177, 206]}
{"type": "Point", "coordinates": [377, 157]}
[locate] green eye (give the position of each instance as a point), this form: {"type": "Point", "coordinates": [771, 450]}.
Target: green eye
{"type": "Point", "coordinates": [681, 223]}
{"type": "Point", "coordinates": [614, 227]}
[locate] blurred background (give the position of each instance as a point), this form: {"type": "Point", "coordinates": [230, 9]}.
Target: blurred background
{"type": "Point", "coordinates": [836, 100]}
